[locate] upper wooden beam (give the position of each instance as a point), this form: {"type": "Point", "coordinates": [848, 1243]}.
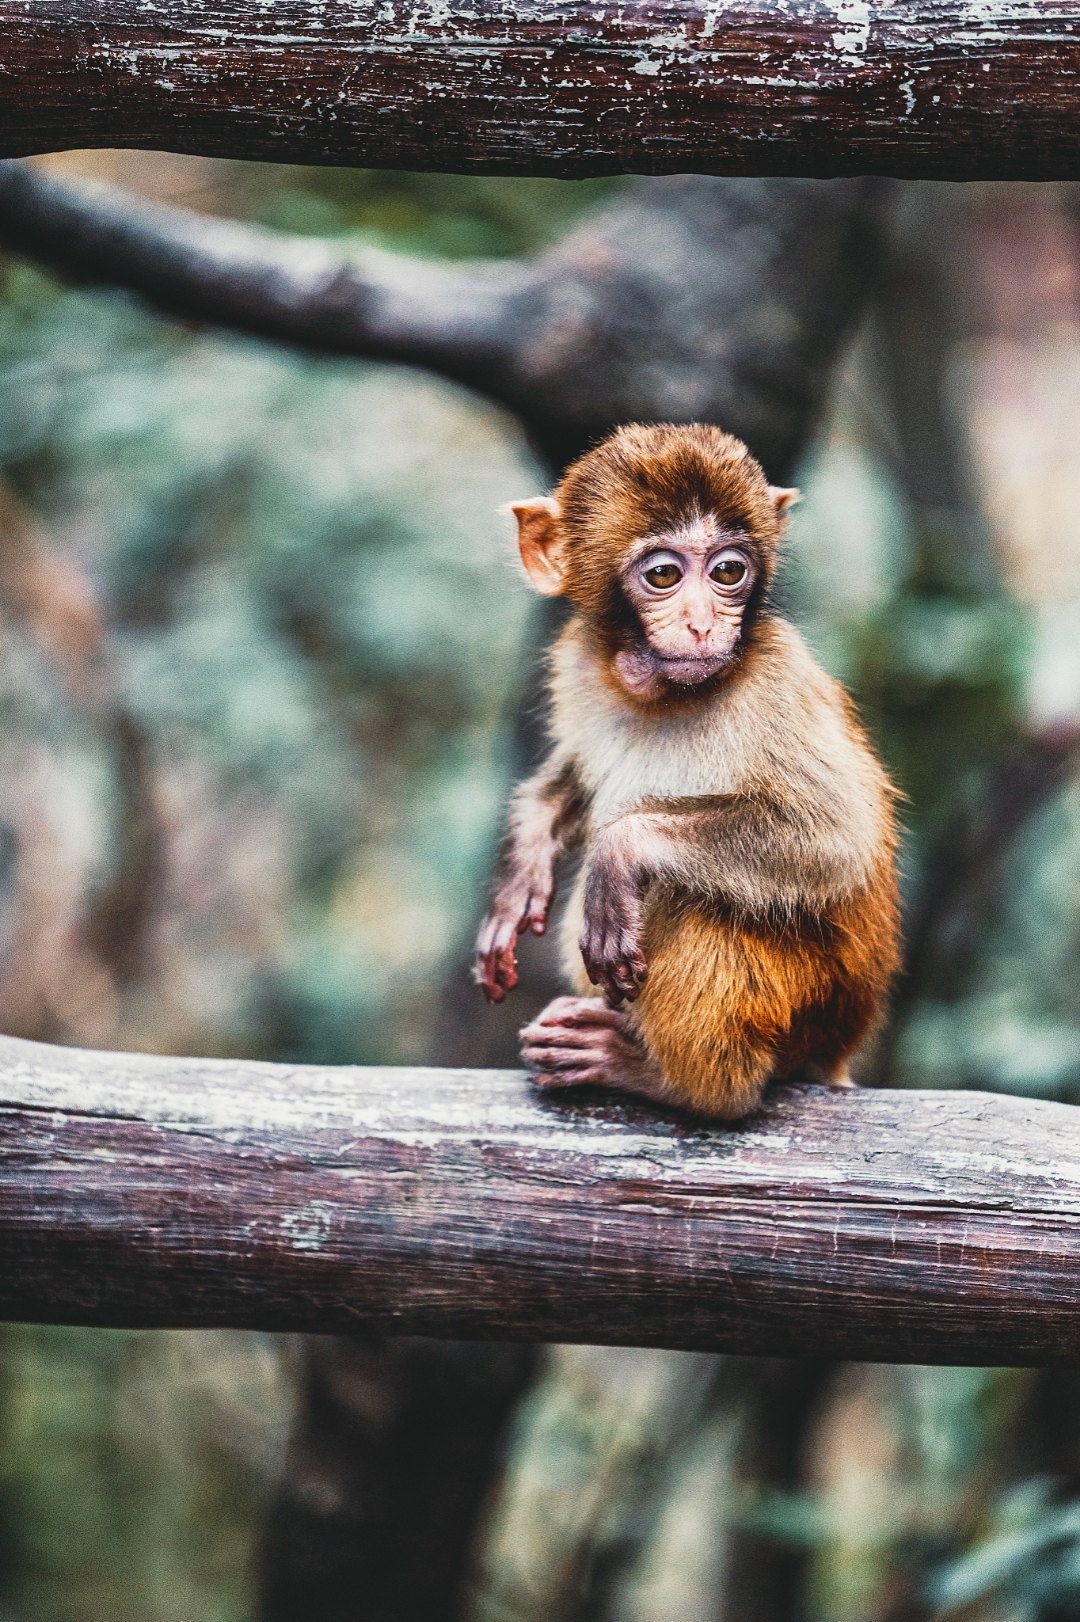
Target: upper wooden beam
{"type": "Point", "coordinates": [927, 1227]}
{"type": "Point", "coordinates": [953, 89]}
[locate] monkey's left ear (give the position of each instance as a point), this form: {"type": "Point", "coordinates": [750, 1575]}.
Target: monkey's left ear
{"type": "Point", "coordinates": [538, 543]}
{"type": "Point", "coordinates": [783, 499]}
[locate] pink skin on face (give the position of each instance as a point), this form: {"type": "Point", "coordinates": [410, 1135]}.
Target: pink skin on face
{"type": "Point", "coordinates": [690, 588]}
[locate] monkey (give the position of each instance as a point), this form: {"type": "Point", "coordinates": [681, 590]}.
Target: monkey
{"type": "Point", "coordinates": [735, 918]}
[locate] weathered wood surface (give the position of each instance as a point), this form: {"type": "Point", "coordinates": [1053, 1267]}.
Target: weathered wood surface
{"type": "Point", "coordinates": [949, 88]}
{"type": "Point", "coordinates": [929, 1227]}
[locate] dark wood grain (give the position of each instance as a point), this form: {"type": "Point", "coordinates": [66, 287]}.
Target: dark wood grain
{"type": "Point", "coordinates": [929, 1227]}
{"type": "Point", "coordinates": [948, 88]}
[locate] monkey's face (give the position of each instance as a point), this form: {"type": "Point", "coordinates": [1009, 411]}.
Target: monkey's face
{"type": "Point", "coordinates": [689, 589]}
{"type": "Point", "coordinates": [664, 539]}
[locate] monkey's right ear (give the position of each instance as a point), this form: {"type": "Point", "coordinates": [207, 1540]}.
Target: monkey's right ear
{"type": "Point", "coordinates": [783, 499]}
{"type": "Point", "coordinates": [538, 543]}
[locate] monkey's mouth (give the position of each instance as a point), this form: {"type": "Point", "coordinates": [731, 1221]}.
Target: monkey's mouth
{"type": "Point", "coordinates": [689, 669]}
{"type": "Point", "coordinates": [644, 672]}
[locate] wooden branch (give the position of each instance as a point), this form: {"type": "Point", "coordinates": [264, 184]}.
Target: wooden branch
{"type": "Point", "coordinates": [557, 87]}
{"type": "Point", "coordinates": [689, 297]}
{"type": "Point", "coordinates": [928, 1227]}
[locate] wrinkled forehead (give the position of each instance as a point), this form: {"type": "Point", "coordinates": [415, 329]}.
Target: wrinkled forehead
{"type": "Point", "coordinates": [698, 533]}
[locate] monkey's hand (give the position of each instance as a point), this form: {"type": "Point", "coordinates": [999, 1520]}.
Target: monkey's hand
{"type": "Point", "coordinates": [610, 940]}
{"type": "Point", "coordinates": [519, 907]}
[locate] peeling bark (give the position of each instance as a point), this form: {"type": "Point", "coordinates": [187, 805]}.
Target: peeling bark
{"type": "Point", "coordinates": [894, 87]}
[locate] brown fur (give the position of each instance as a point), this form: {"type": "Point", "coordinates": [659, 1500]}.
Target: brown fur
{"type": "Point", "coordinates": [644, 480]}
{"type": "Point", "coordinates": [729, 1003]}
{"type": "Point", "coordinates": [738, 887]}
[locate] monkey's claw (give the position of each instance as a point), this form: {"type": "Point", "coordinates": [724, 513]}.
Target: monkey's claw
{"type": "Point", "coordinates": [579, 1040]}
{"type": "Point", "coordinates": [614, 960]}
{"type": "Point", "coordinates": [576, 1040]}
{"type": "Point", "coordinates": [495, 965]}
{"type": "Point", "coordinates": [610, 940]}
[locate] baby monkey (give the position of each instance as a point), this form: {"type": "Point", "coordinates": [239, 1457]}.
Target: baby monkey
{"type": "Point", "coordinates": [737, 902]}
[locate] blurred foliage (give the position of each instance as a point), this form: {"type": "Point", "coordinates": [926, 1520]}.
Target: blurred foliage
{"type": "Point", "coordinates": [443, 216]}
{"type": "Point", "coordinates": [938, 657]}
{"type": "Point", "coordinates": [1028, 1558]}
{"type": "Point", "coordinates": [313, 624]}
{"type": "Point", "coordinates": [935, 656]}
{"type": "Point", "coordinates": [312, 608]}
{"type": "Point", "coordinates": [135, 1470]}
{"type": "Point", "coordinates": [938, 671]}
{"type": "Point", "coordinates": [313, 629]}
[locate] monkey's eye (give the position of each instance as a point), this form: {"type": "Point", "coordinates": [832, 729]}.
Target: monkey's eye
{"type": "Point", "coordinates": [662, 576]}
{"type": "Point", "coordinates": [728, 570]}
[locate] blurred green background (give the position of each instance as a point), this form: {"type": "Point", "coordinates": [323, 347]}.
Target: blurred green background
{"type": "Point", "coordinates": [260, 657]}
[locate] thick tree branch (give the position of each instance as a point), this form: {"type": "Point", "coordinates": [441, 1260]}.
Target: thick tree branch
{"type": "Point", "coordinates": [556, 87]}
{"type": "Point", "coordinates": [930, 1227]}
{"type": "Point", "coordinates": [688, 298]}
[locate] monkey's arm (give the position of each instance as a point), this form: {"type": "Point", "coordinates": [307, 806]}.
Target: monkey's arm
{"type": "Point", "coordinates": [759, 854]}
{"type": "Point", "coordinates": [547, 816]}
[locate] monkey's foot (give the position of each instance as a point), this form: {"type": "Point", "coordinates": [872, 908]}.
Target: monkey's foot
{"type": "Point", "coordinates": [578, 1040]}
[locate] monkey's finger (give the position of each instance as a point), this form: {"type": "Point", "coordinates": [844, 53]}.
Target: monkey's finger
{"type": "Point", "coordinates": [557, 1055]}
{"type": "Point", "coordinates": [493, 991]}
{"type": "Point", "coordinates": [552, 1080]}
{"type": "Point", "coordinates": [623, 976]}
{"type": "Point", "coordinates": [615, 980]}
{"type": "Point", "coordinates": [483, 972]}
{"type": "Point", "coordinates": [497, 935]}
{"type": "Point", "coordinates": [555, 1064]}
{"type": "Point", "coordinates": [574, 1066]}
{"type": "Point", "coordinates": [506, 934]}
{"type": "Point", "coordinates": [628, 976]}
{"type": "Point", "coordinates": [573, 1012]}
{"type": "Point", "coordinates": [550, 1044]}
{"type": "Point", "coordinates": [496, 972]}
{"type": "Point", "coordinates": [536, 914]}
{"type": "Point", "coordinates": [597, 976]}
{"type": "Point", "coordinates": [505, 968]}
{"type": "Point", "coordinates": [630, 956]}
{"type": "Point", "coordinates": [551, 1048]}
{"type": "Point", "coordinates": [627, 980]}
{"type": "Point", "coordinates": [591, 946]}
{"type": "Point", "coordinates": [596, 958]}
{"type": "Point", "coordinates": [560, 1036]}
{"type": "Point", "coordinates": [570, 1009]}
